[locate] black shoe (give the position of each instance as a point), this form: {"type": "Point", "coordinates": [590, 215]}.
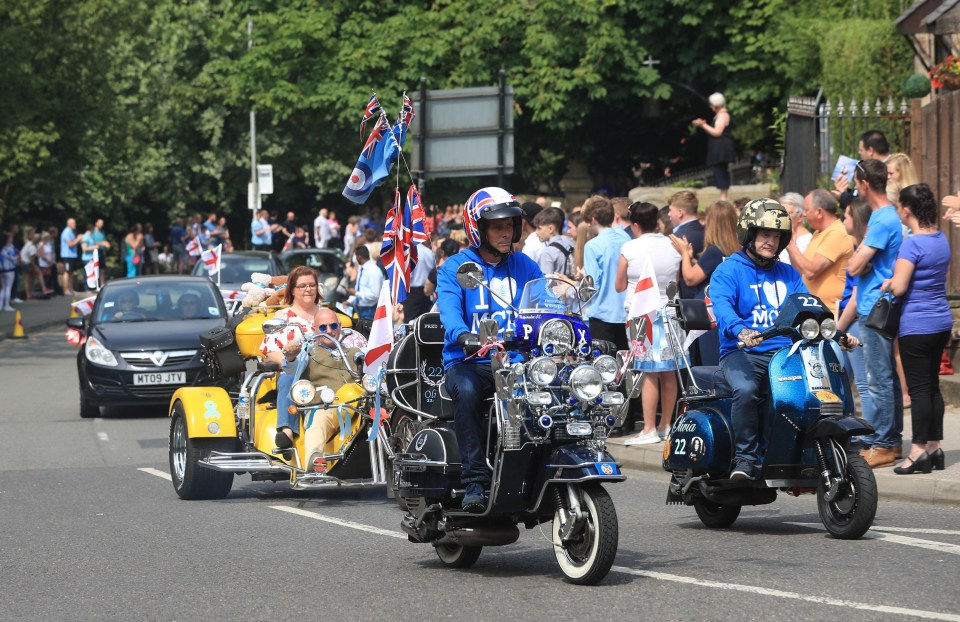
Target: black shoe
{"type": "Point", "coordinates": [938, 460]}
{"type": "Point", "coordinates": [282, 440]}
{"type": "Point", "coordinates": [923, 464]}
{"type": "Point", "coordinates": [474, 501]}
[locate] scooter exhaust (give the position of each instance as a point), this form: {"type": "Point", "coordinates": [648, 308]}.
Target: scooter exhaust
{"type": "Point", "coordinates": [488, 535]}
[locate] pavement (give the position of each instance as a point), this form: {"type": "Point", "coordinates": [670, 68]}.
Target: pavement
{"type": "Point", "coordinates": [941, 487]}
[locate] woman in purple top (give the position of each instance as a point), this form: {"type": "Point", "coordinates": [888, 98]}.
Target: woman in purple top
{"type": "Point", "coordinates": [920, 281]}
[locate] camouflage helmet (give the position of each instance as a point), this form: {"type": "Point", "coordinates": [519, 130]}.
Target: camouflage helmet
{"type": "Point", "coordinates": [764, 214]}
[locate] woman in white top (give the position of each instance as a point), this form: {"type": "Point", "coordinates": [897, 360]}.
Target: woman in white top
{"type": "Point", "coordinates": [651, 250]}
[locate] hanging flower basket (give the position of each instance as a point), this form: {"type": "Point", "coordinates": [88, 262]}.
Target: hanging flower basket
{"type": "Point", "coordinates": [946, 75]}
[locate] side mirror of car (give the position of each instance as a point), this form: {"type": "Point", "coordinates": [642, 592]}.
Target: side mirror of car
{"type": "Point", "coordinates": [273, 326]}
{"type": "Point", "coordinates": [76, 322]}
{"type": "Point", "coordinates": [470, 275]}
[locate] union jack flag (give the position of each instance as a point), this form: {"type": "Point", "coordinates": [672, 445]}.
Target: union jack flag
{"type": "Point", "coordinates": [373, 107]}
{"type": "Point", "coordinates": [402, 232]}
{"type": "Point", "coordinates": [382, 127]}
{"type": "Point", "coordinates": [406, 110]}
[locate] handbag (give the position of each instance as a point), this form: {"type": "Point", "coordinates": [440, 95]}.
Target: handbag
{"type": "Point", "coordinates": [885, 316]}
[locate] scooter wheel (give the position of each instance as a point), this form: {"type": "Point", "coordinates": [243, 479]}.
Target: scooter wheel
{"type": "Point", "coordinates": [457, 556]}
{"type": "Point", "coordinates": [850, 514]}
{"type": "Point", "coordinates": [716, 516]}
{"type": "Point", "coordinates": [586, 558]}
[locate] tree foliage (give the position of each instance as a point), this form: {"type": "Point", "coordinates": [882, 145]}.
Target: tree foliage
{"type": "Point", "coordinates": [138, 110]}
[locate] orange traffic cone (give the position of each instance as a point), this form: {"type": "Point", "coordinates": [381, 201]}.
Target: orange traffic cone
{"type": "Point", "coordinates": [73, 312]}
{"type": "Point", "coordinates": [18, 327]}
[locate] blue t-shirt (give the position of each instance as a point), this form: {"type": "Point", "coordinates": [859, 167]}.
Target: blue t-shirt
{"type": "Point", "coordinates": [266, 237]}
{"type": "Point", "coordinates": [848, 286]}
{"type": "Point", "coordinates": [67, 251]}
{"type": "Point", "coordinates": [601, 258]}
{"type": "Point", "coordinates": [88, 240]}
{"type": "Point", "coordinates": [925, 309]}
{"type": "Point", "coordinates": [209, 228]}
{"type": "Point", "coordinates": [177, 233]}
{"type": "Point", "coordinates": [885, 234]}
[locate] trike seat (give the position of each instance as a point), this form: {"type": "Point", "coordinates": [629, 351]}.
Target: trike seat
{"type": "Point", "coordinates": [711, 378]}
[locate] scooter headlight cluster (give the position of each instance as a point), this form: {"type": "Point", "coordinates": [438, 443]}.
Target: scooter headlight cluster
{"type": "Point", "coordinates": [543, 371]}
{"type": "Point", "coordinates": [302, 392]}
{"type": "Point", "coordinates": [607, 366]}
{"type": "Point", "coordinates": [828, 328]}
{"type": "Point", "coordinates": [809, 329]}
{"type": "Point", "coordinates": [586, 383]}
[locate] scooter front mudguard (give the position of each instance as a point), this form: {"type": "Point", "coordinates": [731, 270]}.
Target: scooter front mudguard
{"type": "Point", "coordinates": [840, 428]}
{"type": "Point", "coordinates": [575, 462]}
{"type": "Point", "coordinates": [701, 439]}
{"type": "Point", "coordinates": [208, 412]}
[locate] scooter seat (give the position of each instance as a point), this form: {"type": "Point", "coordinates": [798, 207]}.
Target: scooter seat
{"type": "Point", "coordinates": [711, 378]}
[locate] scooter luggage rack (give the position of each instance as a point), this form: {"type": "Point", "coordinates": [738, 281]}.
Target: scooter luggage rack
{"type": "Point", "coordinates": [693, 390]}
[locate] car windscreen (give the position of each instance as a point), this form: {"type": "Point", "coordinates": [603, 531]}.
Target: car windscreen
{"type": "Point", "coordinates": [238, 268]}
{"type": "Point", "coordinates": [324, 263]}
{"type": "Point", "coordinates": [143, 302]}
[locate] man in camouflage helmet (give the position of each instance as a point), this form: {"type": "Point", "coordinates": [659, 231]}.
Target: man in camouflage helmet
{"type": "Point", "coordinates": [747, 291]}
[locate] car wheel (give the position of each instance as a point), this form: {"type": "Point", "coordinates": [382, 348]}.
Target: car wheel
{"type": "Point", "coordinates": [190, 479]}
{"type": "Point", "coordinates": [88, 410]}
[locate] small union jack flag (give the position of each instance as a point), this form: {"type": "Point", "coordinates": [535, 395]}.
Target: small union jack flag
{"type": "Point", "coordinates": [373, 107]}
{"type": "Point", "coordinates": [378, 132]}
{"type": "Point", "coordinates": [406, 111]}
{"type": "Point", "coordinates": [403, 231]}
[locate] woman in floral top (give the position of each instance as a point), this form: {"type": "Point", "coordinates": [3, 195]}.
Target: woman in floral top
{"type": "Point", "coordinates": [303, 299]}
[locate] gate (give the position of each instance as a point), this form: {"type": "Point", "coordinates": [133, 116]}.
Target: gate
{"type": "Point", "coordinates": [939, 137]}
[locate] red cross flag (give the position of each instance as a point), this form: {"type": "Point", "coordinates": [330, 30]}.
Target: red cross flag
{"type": "Point", "coordinates": [85, 307]}
{"type": "Point", "coordinates": [92, 271]}
{"type": "Point", "coordinates": [211, 259]}
{"type": "Point", "coordinates": [194, 247]}
{"type": "Point", "coordinates": [381, 333]}
{"type": "Point", "coordinates": [646, 301]}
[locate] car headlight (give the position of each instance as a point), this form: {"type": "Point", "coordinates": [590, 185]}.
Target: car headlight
{"type": "Point", "coordinates": [558, 332]}
{"type": "Point", "coordinates": [809, 328]}
{"type": "Point", "coordinates": [586, 383]}
{"type": "Point", "coordinates": [828, 328]}
{"type": "Point", "coordinates": [302, 392]}
{"type": "Point", "coordinates": [99, 355]}
{"type": "Point", "coordinates": [607, 366]}
{"type": "Point", "coordinates": [543, 371]}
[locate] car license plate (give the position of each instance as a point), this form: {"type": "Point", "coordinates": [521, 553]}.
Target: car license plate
{"type": "Point", "coordinates": [164, 377]}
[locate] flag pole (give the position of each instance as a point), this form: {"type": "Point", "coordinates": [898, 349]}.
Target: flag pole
{"type": "Point", "coordinates": [219, 252]}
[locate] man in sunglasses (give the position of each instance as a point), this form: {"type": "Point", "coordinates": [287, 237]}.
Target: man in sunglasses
{"type": "Point", "coordinates": [327, 367]}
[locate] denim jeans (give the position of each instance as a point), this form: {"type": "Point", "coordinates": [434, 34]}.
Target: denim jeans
{"type": "Point", "coordinates": [366, 313]}
{"type": "Point", "coordinates": [856, 365]}
{"type": "Point", "coordinates": [747, 373]}
{"type": "Point", "coordinates": [884, 388]}
{"type": "Point", "coordinates": [284, 418]}
{"type": "Point", "coordinates": [468, 384]}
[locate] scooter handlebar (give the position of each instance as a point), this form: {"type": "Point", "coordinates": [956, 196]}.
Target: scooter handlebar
{"type": "Point", "coordinates": [767, 334]}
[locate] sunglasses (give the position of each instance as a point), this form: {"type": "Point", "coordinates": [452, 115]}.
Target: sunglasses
{"type": "Point", "coordinates": [332, 326]}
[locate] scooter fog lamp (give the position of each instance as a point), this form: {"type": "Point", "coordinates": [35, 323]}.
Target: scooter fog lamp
{"type": "Point", "coordinates": [828, 329]}
{"type": "Point", "coordinates": [809, 329]}
{"type": "Point", "coordinates": [543, 371]}
{"type": "Point", "coordinates": [369, 383]}
{"type": "Point", "coordinates": [539, 398]}
{"type": "Point", "coordinates": [586, 383]}
{"type": "Point", "coordinates": [607, 366]}
{"type": "Point", "coordinates": [302, 392]}
{"type": "Point", "coordinates": [327, 395]}
{"type": "Point", "coordinates": [545, 422]}
{"type": "Point", "coordinates": [579, 428]}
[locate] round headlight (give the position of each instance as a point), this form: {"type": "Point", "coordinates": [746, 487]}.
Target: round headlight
{"type": "Point", "coordinates": [809, 329]}
{"type": "Point", "coordinates": [607, 366]}
{"type": "Point", "coordinates": [369, 383]}
{"type": "Point", "coordinates": [302, 392]}
{"type": "Point", "coordinates": [586, 383]}
{"type": "Point", "coordinates": [543, 371]}
{"type": "Point", "coordinates": [558, 332]}
{"type": "Point", "coordinates": [828, 328]}
{"type": "Point", "coordinates": [327, 395]}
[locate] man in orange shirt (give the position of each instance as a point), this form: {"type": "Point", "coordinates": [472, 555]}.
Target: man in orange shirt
{"type": "Point", "coordinates": [823, 264]}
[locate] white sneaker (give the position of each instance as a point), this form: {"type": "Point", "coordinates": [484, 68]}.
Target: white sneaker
{"type": "Point", "coordinates": [643, 439]}
{"type": "Point", "coordinates": [9, 308]}
{"type": "Point", "coordinates": [16, 301]}
{"type": "Point", "coordinates": [663, 434]}
{"type": "Point", "coordinates": [739, 475]}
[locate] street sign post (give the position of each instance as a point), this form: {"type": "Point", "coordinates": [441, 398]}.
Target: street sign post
{"type": "Point", "coordinates": [265, 178]}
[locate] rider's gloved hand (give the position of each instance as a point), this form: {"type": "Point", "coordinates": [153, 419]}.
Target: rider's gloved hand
{"type": "Point", "coordinates": [470, 342]}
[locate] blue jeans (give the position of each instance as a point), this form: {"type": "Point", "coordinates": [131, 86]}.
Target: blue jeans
{"type": "Point", "coordinates": [747, 373]}
{"type": "Point", "coordinates": [884, 388]}
{"type": "Point", "coordinates": [857, 366]}
{"type": "Point", "coordinates": [366, 313]}
{"type": "Point", "coordinates": [284, 418]}
{"type": "Point", "coordinates": [468, 385]}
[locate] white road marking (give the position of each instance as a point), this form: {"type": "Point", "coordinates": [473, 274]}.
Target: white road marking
{"type": "Point", "coordinates": [339, 521]}
{"type": "Point", "coordinates": [762, 591]}
{"type": "Point", "coordinates": [157, 472]}
{"type": "Point", "coordinates": [103, 437]}
{"type": "Point", "coordinates": [933, 545]}
{"type": "Point", "coordinates": [943, 532]}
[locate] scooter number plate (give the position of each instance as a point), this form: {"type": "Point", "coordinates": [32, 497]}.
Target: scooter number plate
{"type": "Point", "coordinates": [169, 377]}
{"type": "Point", "coordinates": [606, 468]}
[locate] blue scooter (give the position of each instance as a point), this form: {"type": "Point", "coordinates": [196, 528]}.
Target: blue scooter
{"type": "Point", "coordinates": [810, 418]}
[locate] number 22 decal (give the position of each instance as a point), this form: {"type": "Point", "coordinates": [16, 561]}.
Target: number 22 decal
{"type": "Point", "coordinates": [680, 447]}
{"type": "Point", "coordinates": [810, 301]}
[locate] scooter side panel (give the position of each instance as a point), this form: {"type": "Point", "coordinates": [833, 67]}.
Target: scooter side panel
{"type": "Point", "coordinates": [437, 444]}
{"type": "Point", "coordinates": [701, 439]}
{"type": "Point", "coordinates": [793, 409]}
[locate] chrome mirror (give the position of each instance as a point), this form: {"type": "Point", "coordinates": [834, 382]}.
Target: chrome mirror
{"type": "Point", "coordinates": [672, 290]}
{"type": "Point", "coordinates": [470, 275]}
{"type": "Point", "coordinates": [273, 326]}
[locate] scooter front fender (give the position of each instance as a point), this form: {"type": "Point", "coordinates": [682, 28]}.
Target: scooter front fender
{"type": "Point", "coordinates": [574, 463]}
{"type": "Point", "coordinates": [840, 428]}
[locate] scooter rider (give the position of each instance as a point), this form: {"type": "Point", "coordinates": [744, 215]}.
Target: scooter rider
{"type": "Point", "coordinates": [747, 291]}
{"type": "Point", "coordinates": [492, 222]}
